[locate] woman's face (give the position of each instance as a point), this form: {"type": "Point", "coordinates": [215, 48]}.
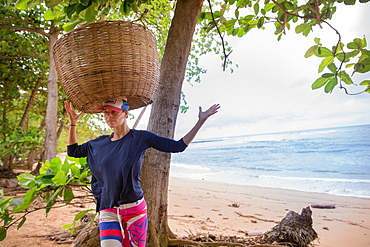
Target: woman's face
{"type": "Point", "coordinates": [115, 119]}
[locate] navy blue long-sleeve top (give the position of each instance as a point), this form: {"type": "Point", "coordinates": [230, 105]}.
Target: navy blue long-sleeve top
{"type": "Point", "coordinates": [116, 165]}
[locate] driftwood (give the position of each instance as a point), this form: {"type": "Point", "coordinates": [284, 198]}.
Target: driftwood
{"type": "Point", "coordinates": [88, 235]}
{"type": "Point", "coordinates": [295, 229]}
{"type": "Point", "coordinates": [255, 217]}
{"type": "Point", "coordinates": [324, 206]}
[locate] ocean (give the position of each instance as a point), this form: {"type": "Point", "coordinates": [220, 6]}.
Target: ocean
{"type": "Point", "coordinates": [334, 161]}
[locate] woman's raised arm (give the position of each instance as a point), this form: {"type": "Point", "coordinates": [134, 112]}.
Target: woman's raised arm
{"type": "Point", "coordinates": [202, 117]}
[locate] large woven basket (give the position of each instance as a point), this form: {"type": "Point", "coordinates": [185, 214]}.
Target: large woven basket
{"type": "Point", "coordinates": [109, 59]}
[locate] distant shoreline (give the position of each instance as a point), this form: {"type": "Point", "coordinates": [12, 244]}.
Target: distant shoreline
{"type": "Point", "coordinates": [270, 187]}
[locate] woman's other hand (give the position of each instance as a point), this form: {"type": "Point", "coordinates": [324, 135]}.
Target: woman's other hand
{"type": "Point", "coordinates": [73, 115]}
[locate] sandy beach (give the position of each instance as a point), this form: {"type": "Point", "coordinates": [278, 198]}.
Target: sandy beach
{"type": "Point", "coordinates": [203, 207]}
{"type": "Point", "coordinates": [198, 206]}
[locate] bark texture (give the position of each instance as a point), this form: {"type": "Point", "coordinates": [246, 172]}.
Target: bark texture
{"type": "Point", "coordinates": [52, 104]}
{"type": "Point", "coordinates": [163, 116]}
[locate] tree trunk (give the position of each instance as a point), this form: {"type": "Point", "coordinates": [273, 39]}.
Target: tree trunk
{"type": "Point", "coordinates": [29, 103]}
{"type": "Point", "coordinates": [52, 104]}
{"type": "Point", "coordinates": [155, 176]}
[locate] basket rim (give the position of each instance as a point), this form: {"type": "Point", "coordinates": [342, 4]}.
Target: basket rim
{"type": "Point", "coordinates": [101, 23]}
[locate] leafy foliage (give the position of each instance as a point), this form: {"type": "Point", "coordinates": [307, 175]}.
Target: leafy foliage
{"type": "Point", "coordinates": [24, 69]}
{"type": "Point", "coordinates": [238, 17]}
{"type": "Point", "coordinates": [54, 184]}
{"type": "Point", "coordinates": [335, 58]}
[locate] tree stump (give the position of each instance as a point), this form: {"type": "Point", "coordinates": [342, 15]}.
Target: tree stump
{"type": "Point", "coordinates": [295, 229]}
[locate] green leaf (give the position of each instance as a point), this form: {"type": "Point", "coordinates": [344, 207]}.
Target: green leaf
{"type": "Point", "coordinates": [46, 179]}
{"type": "Point", "coordinates": [256, 8]}
{"type": "Point", "coordinates": [53, 3]}
{"type": "Point", "coordinates": [67, 226]}
{"type": "Point", "coordinates": [325, 62]}
{"type": "Point", "coordinates": [330, 85]}
{"type": "Point", "coordinates": [82, 161]}
{"type": "Point", "coordinates": [327, 75]}
{"type": "Point", "coordinates": [317, 41]}
{"type": "Point", "coordinates": [86, 2]}
{"type": "Point", "coordinates": [75, 171]}
{"type": "Point", "coordinates": [359, 42]}
{"type": "Point", "coordinates": [301, 27]}
{"type": "Point", "coordinates": [22, 4]}
{"type": "Point", "coordinates": [364, 42]}
{"type": "Point", "coordinates": [269, 6]}
{"type": "Point", "coordinates": [356, 44]}
{"type": "Point", "coordinates": [90, 14]}
{"type": "Point", "coordinates": [365, 83]}
{"type": "Point", "coordinates": [363, 67]}
{"type": "Point", "coordinates": [81, 214]}
{"type": "Point", "coordinates": [332, 67]}
{"type": "Point", "coordinates": [239, 3]}
{"type": "Point", "coordinates": [237, 13]}
{"type": "Point", "coordinates": [60, 178]}
{"type": "Point", "coordinates": [350, 65]}
{"type": "Point", "coordinates": [27, 201]}
{"type": "Point", "coordinates": [65, 167]}
{"type": "Point", "coordinates": [261, 21]}
{"type": "Point", "coordinates": [49, 15]}
{"type": "Point", "coordinates": [5, 204]}
{"type": "Point", "coordinates": [230, 23]}
{"type": "Point", "coordinates": [345, 77]}
{"type": "Point", "coordinates": [21, 223]}
{"type": "Point", "coordinates": [70, 10]}
{"type": "Point", "coordinates": [319, 83]}
{"type": "Point", "coordinates": [80, 7]}
{"type": "Point", "coordinates": [338, 48]}
{"type": "Point", "coordinates": [68, 195]}
{"type": "Point", "coordinates": [84, 175]}
{"type": "Point", "coordinates": [310, 51]}
{"type": "Point", "coordinates": [26, 180]}
{"type": "Point", "coordinates": [55, 164]}
{"type": "Point", "coordinates": [2, 233]}
{"type": "Point", "coordinates": [323, 52]}
{"type": "Point", "coordinates": [349, 2]}
{"type": "Point", "coordinates": [363, 57]}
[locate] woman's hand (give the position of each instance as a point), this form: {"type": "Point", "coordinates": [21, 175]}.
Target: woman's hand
{"type": "Point", "coordinates": [73, 116]}
{"type": "Point", "coordinates": [204, 115]}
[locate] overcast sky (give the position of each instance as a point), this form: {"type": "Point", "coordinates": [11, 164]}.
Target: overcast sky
{"type": "Point", "coordinates": [271, 89]}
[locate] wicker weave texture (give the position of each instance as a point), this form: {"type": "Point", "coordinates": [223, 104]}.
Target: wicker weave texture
{"type": "Point", "coordinates": [109, 59]}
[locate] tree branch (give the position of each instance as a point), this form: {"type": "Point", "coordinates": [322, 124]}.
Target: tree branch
{"type": "Point", "coordinates": [319, 21]}
{"type": "Point", "coordinates": [339, 43]}
{"type": "Point", "coordinates": [25, 29]}
{"type": "Point", "coordinates": [317, 10]}
{"type": "Point", "coordinates": [222, 38]}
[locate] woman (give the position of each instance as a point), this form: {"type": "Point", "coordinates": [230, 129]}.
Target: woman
{"type": "Point", "coordinates": [115, 162]}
